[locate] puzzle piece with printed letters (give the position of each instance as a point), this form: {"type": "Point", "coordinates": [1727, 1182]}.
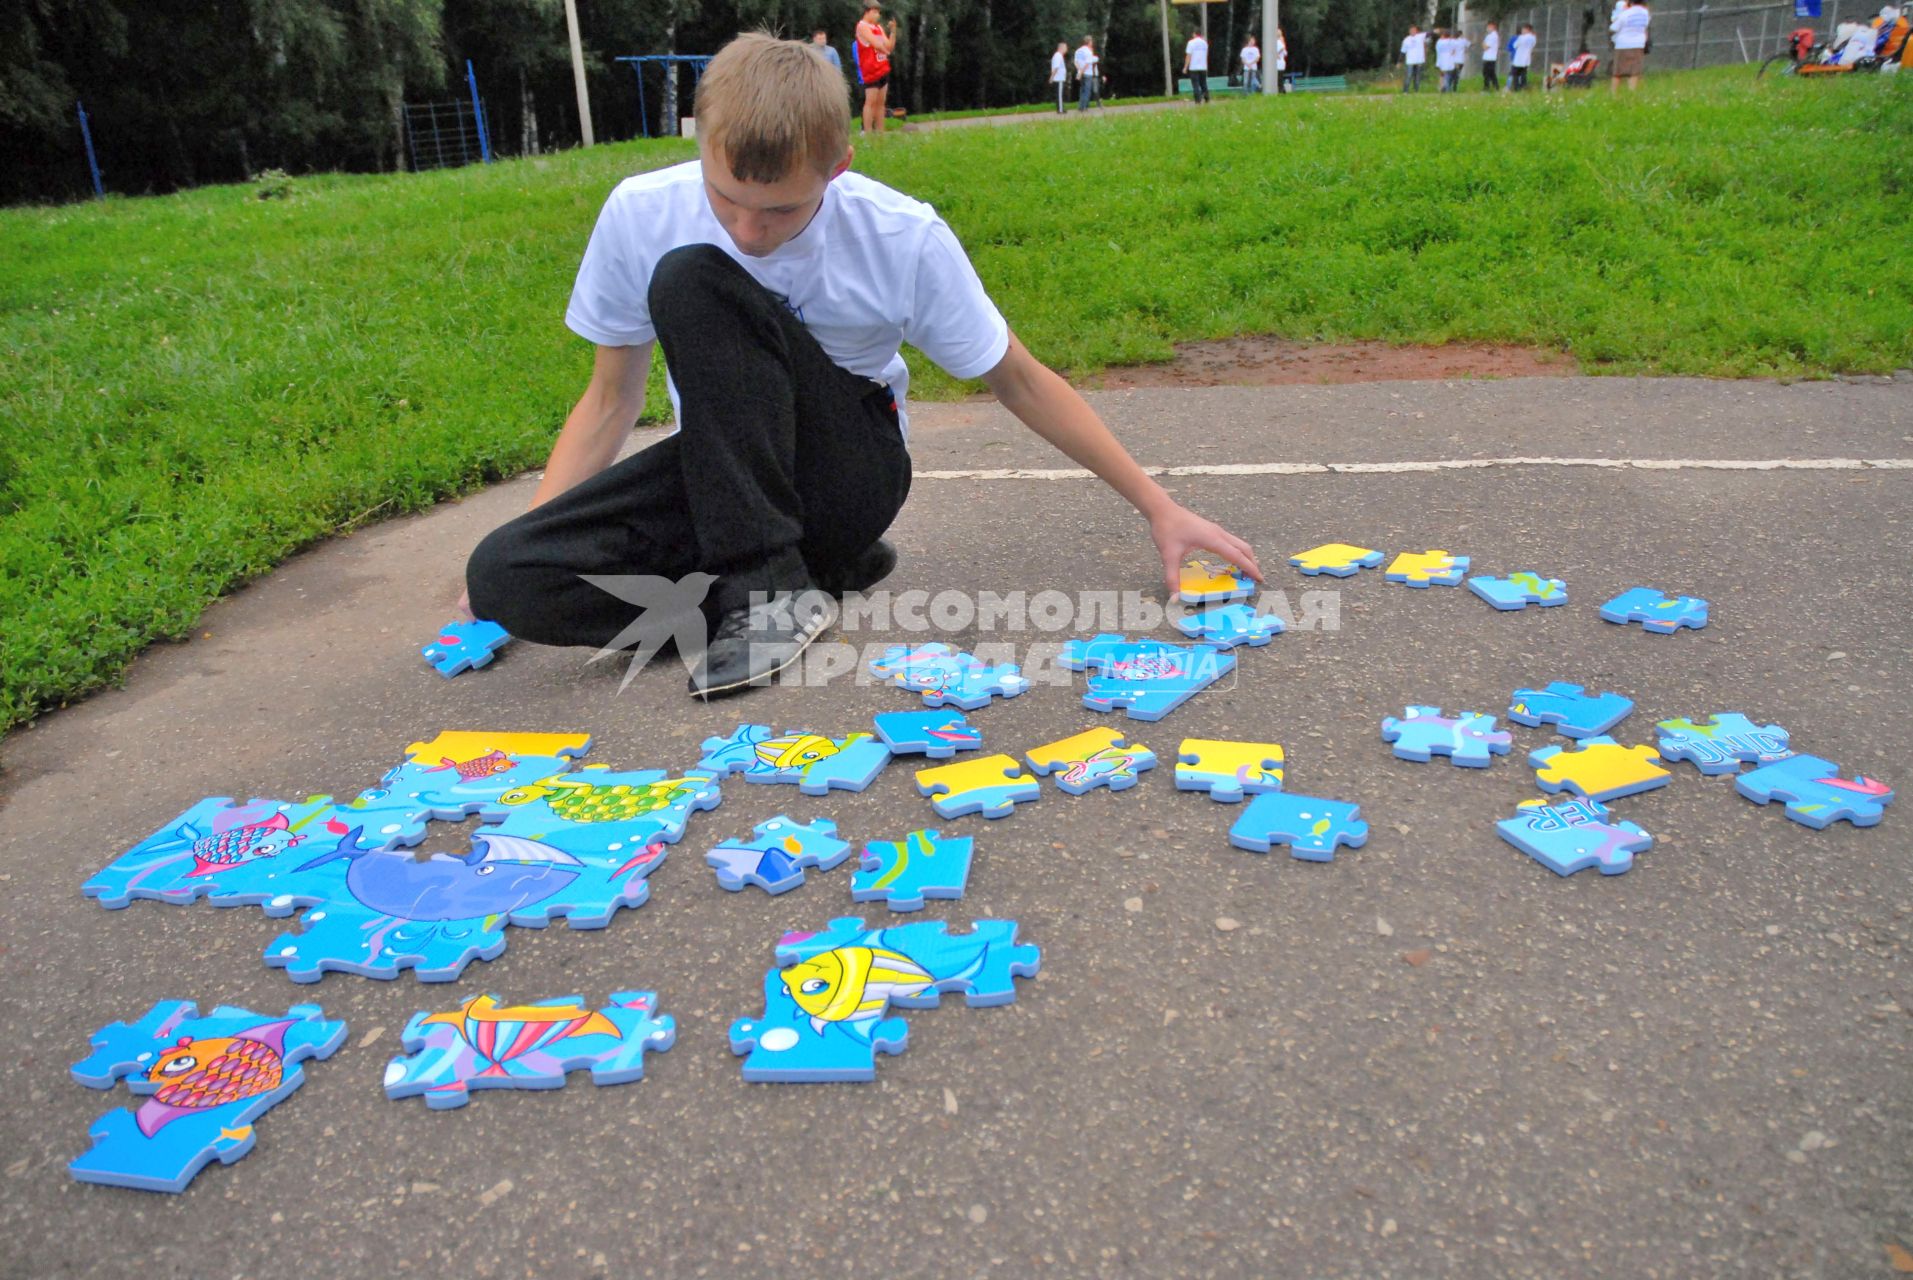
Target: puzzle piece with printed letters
{"type": "Point", "coordinates": [947, 677]}
{"type": "Point", "coordinates": [1146, 678]}
{"type": "Point", "coordinates": [1426, 569]}
{"type": "Point", "coordinates": [1469, 739]}
{"type": "Point", "coordinates": [1574, 712]}
{"type": "Point", "coordinates": [1599, 768]}
{"type": "Point", "coordinates": [775, 857]}
{"type": "Point", "coordinates": [1228, 770]}
{"type": "Point", "coordinates": [1815, 794]}
{"type": "Point", "coordinates": [1338, 559]}
{"type": "Point", "coordinates": [1567, 836]}
{"type": "Point", "coordinates": [990, 785]}
{"type": "Point", "coordinates": [817, 764]}
{"type": "Point", "coordinates": [1519, 590]}
{"type": "Point", "coordinates": [1230, 625]}
{"type": "Point", "coordinates": [1310, 826]}
{"type": "Point", "coordinates": [902, 873]}
{"type": "Point", "coordinates": [1663, 615]}
{"type": "Point", "coordinates": [464, 646]}
{"type": "Point", "coordinates": [1213, 581]}
{"type": "Point", "coordinates": [1724, 743]}
{"type": "Point", "coordinates": [936, 734]}
{"type": "Point", "coordinates": [1093, 758]}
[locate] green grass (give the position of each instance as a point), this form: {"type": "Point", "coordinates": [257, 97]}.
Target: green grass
{"type": "Point", "coordinates": [193, 387]}
{"type": "Point", "coordinates": [1029, 108]}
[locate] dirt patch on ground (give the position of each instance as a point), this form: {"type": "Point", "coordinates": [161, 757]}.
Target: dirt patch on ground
{"type": "Point", "coordinates": [1269, 362]}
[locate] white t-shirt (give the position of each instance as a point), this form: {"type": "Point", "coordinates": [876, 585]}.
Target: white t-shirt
{"type": "Point", "coordinates": [1415, 50]}
{"type": "Point", "coordinates": [874, 269]}
{"type": "Point", "coordinates": [1859, 45]}
{"type": "Point", "coordinates": [1251, 57]}
{"type": "Point", "coordinates": [1056, 71]}
{"type": "Point", "coordinates": [1630, 28]}
{"type": "Point", "coordinates": [1085, 61]}
{"type": "Point", "coordinates": [1198, 53]}
{"type": "Point", "coordinates": [1445, 53]}
{"type": "Point", "coordinates": [1521, 50]}
{"type": "Point", "coordinates": [1491, 46]}
{"type": "Point", "coordinates": [1281, 54]}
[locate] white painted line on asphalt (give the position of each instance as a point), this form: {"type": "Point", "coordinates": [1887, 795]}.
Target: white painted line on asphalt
{"type": "Point", "coordinates": [1445, 464]}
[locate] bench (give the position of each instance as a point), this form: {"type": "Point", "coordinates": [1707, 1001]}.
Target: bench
{"type": "Point", "coordinates": [1319, 84]}
{"type": "Point", "coordinates": [1217, 84]}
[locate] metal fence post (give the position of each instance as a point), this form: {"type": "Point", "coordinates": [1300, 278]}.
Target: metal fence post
{"type": "Point", "coordinates": [92, 164]}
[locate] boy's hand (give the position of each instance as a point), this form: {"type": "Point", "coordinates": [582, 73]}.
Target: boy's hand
{"type": "Point", "coordinates": [1179, 531]}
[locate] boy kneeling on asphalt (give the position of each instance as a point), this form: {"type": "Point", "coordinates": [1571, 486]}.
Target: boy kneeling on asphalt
{"type": "Point", "coordinates": [780, 286]}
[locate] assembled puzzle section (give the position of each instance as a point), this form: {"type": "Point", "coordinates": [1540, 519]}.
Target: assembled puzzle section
{"type": "Point", "coordinates": [1599, 768]}
{"type": "Point", "coordinates": [936, 734]}
{"type": "Point", "coordinates": [1574, 712]}
{"type": "Point", "coordinates": [1815, 794]}
{"type": "Point", "coordinates": [1519, 590]}
{"type": "Point", "coordinates": [1098, 757]}
{"type": "Point", "coordinates": [1312, 827]}
{"type": "Point", "coordinates": [1146, 678]}
{"type": "Point", "coordinates": [947, 677]}
{"type": "Point", "coordinates": [1469, 738]}
{"type": "Point", "coordinates": [775, 858]}
{"type": "Point", "coordinates": [484, 1045]}
{"type": "Point", "coordinates": [1567, 836]}
{"type": "Point", "coordinates": [1427, 569]}
{"type": "Point", "coordinates": [990, 785]}
{"type": "Point", "coordinates": [1230, 625]}
{"type": "Point", "coordinates": [816, 764]}
{"type": "Point", "coordinates": [903, 873]}
{"type": "Point", "coordinates": [464, 646]}
{"type": "Point", "coordinates": [1724, 743]}
{"type": "Point", "coordinates": [1213, 581]}
{"type": "Point", "coordinates": [205, 1081]}
{"type": "Point", "coordinates": [1662, 615]}
{"type": "Point", "coordinates": [1337, 559]}
{"type": "Point", "coordinates": [1228, 770]}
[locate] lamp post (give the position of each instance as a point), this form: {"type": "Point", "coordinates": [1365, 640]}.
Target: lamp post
{"type": "Point", "coordinates": [1271, 28]}
{"type": "Point", "coordinates": [578, 72]}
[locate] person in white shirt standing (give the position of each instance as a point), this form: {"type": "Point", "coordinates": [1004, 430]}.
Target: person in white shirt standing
{"type": "Point", "coordinates": [1281, 62]}
{"type": "Point", "coordinates": [1086, 64]}
{"type": "Point", "coordinates": [1195, 65]}
{"type": "Point", "coordinates": [1059, 71]}
{"type": "Point", "coordinates": [1490, 56]}
{"type": "Point", "coordinates": [1446, 64]}
{"type": "Point", "coordinates": [1520, 58]}
{"type": "Point", "coordinates": [1251, 66]}
{"type": "Point", "coordinates": [1414, 58]}
{"type": "Point", "coordinates": [1630, 45]}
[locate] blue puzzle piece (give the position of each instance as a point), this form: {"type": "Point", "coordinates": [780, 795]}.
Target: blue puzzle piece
{"type": "Point", "coordinates": [1816, 795]}
{"type": "Point", "coordinates": [600, 812]}
{"type": "Point", "coordinates": [815, 763]}
{"type": "Point", "coordinates": [1660, 614]}
{"type": "Point", "coordinates": [464, 646]}
{"type": "Point", "coordinates": [1468, 739]}
{"type": "Point", "coordinates": [1519, 590]}
{"type": "Point", "coordinates": [231, 854]}
{"type": "Point", "coordinates": [788, 1046]}
{"type": "Point", "coordinates": [1211, 582]}
{"type": "Point", "coordinates": [206, 1080]}
{"type": "Point", "coordinates": [904, 872]}
{"type": "Point", "coordinates": [481, 1045]}
{"type": "Point", "coordinates": [1231, 625]}
{"type": "Point", "coordinates": [936, 734]}
{"type": "Point", "coordinates": [1724, 743]}
{"type": "Point", "coordinates": [1567, 836]}
{"type": "Point", "coordinates": [774, 860]}
{"type": "Point", "coordinates": [981, 964]}
{"type": "Point", "coordinates": [1572, 711]}
{"type": "Point", "coordinates": [947, 677]}
{"type": "Point", "coordinates": [1310, 826]}
{"type": "Point", "coordinates": [1146, 678]}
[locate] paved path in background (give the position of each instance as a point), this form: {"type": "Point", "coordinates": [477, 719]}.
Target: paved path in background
{"type": "Point", "coordinates": [1694, 1069]}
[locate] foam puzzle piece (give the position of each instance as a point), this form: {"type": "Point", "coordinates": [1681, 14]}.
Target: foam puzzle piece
{"type": "Point", "coordinates": [1228, 770]}
{"type": "Point", "coordinates": [947, 677]}
{"type": "Point", "coordinates": [1231, 625]}
{"type": "Point", "coordinates": [1146, 678]}
{"type": "Point", "coordinates": [232, 854]}
{"type": "Point", "coordinates": [1093, 758]}
{"type": "Point", "coordinates": [1815, 793]}
{"type": "Point", "coordinates": [1519, 590]}
{"type": "Point", "coordinates": [1337, 559]}
{"type": "Point", "coordinates": [1724, 743]}
{"type": "Point", "coordinates": [1310, 826]}
{"type": "Point", "coordinates": [464, 646]}
{"type": "Point", "coordinates": [1567, 836]}
{"type": "Point", "coordinates": [1427, 569]}
{"type": "Point", "coordinates": [1206, 581]}
{"type": "Point", "coordinates": [1469, 738]}
{"type": "Point", "coordinates": [990, 785]}
{"type": "Point", "coordinates": [936, 734]}
{"type": "Point", "coordinates": [483, 1045]}
{"type": "Point", "coordinates": [1572, 710]}
{"type": "Point", "coordinates": [1660, 614]}
{"type": "Point", "coordinates": [206, 1080]}
{"type": "Point", "coordinates": [1599, 768]}
{"type": "Point", "coordinates": [775, 858]}
{"type": "Point", "coordinates": [787, 1046]}
{"type": "Point", "coordinates": [597, 811]}
{"type": "Point", "coordinates": [905, 872]}
{"type": "Point", "coordinates": [816, 764]}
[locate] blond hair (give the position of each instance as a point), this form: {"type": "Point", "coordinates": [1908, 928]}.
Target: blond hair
{"type": "Point", "coordinates": [768, 104]}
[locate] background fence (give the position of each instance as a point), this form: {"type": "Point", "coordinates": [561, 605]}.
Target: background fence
{"type": "Point", "coordinates": [1700, 36]}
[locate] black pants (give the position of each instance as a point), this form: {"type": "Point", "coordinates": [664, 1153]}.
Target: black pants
{"type": "Point", "coordinates": [1517, 79]}
{"type": "Point", "coordinates": [1490, 76]}
{"type": "Point", "coordinates": [787, 466]}
{"type": "Point", "coordinates": [1199, 85]}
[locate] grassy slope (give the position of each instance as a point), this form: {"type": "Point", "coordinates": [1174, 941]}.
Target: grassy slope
{"type": "Point", "coordinates": [192, 387]}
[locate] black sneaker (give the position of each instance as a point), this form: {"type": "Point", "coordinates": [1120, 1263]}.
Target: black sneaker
{"type": "Point", "coordinates": [754, 643]}
{"type": "Point", "coordinates": [878, 561]}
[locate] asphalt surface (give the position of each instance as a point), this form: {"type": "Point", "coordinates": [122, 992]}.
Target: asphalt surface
{"type": "Point", "coordinates": [1698, 1068]}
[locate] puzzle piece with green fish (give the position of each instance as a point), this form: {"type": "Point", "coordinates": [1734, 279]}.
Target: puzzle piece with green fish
{"type": "Point", "coordinates": [815, 763]}
{"type": "Point", "coordinates": [775, 858]}
{"type": "Point", "coordinates": [990, 785]}
{"type": "Point", "coordinates": [464, 646]}
{"type": "Point", "coordinates": [1469, 739]}
{"type": "Point", "coordinates": [1426, 569]}
{"type": "Point", "coordinates": [1228, 770]}
{"type": "Point", "coordinates": [1519, 590]}
{"type": "Point", "coordinates": [1230, 625]}
{"type": "Point", "coordinates": [1212, 581]}
{"type": "Point", "coordinates": [947, 677]}
{"type": "Point", "coordinates": [936, 734]}
{"type": "Point", "coordinates": [1337, 559]}
{"type": "Point", "coordinates": [205, 1080]}
{"type": "Point", "coordinates": [484, 1045]}
{"type": "Point", "coordinates": [1723, 744]}
{"type": "Point", "coordinates": [1310, 826]}
{"type": "Point", "coordinates": [924, 864]}
{"type": "Point", "coordinates": [1146, 678]}
{"type": "Point", "coordinates": [1815, 793]}
{"type": "Point", "coordinates": [1572, 710]}
{"type": "Point", "coordinates": [1599, 768]}
{"type": "Point", "coordinates": [1093, 758]}
{"type": "Point", "coordinates": [1660, 614]}
{"type": "Point", "coordinates": [1567, 836]}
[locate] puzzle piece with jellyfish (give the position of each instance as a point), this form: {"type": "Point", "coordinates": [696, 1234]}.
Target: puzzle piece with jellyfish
{"type": "Point", "coordinates": [1815, 793]}
{"type": "Point", "coordinates": [1228, 770]}
{"type": "Point", "coordinates": [464, 646]}
{"type": "Point", "coordinates": [1427, 568]}
{"type": "Point", "coordinates": [815, 763]}
{"type": "Point", "coordinates": [1599, 768]}
{"type": "Point", "coordinates": [1310, 826]}
{"type": "Point", "coordinates": [1723, 744]}
{"type": "Point", "coordinates": [1519, 590]}
{"type": "Point", "coordinates": [990, 785]}
{"type": "Point", "coordinates": [1093, 758]}
{"type": "Point", "coordinates": [902, 873]}
{"type": "Point", "coordinates": [205, 1081]}
{"type": "Point", "coordinates": [1146, 678]}
{"type": "Point", "coordinates": [1230, 625]}
{"type": "Point", "coordinates": [1567, 836]}
{"type": "Point", "coordinates": [774, 860]}
{"type": "Point", "coordinates": [936, 734]}
{"type": "Point", "coordinates": [1469, 739]}
{"type": "Point", "coordinates": [483, 1045]}
{"type": "Point", "coordinates": [1337, 559]}
{"type": "Point", "coordinates": [1213, 581]}
{"type": "Point", "coordinates": [1660, 614]}
{"type": "Point", "coordinates": [1574, 712]}
{"type": "Point", "coordinates": [947, 677]}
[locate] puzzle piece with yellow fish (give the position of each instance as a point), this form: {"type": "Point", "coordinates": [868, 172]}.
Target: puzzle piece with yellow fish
{"type": "Point", "coordinates": [815, 763]}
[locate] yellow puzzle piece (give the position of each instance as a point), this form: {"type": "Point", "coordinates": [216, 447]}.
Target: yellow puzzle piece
{"type": "Point", "coordinates": [463, 745]}
{"type": "Point", "coordinates": [1093, 758]}
{"type": "Point", "coordinates": [1420, 568]}
{"type": "Point", "coordinates": [1205, 581]}
{"type": "Point", "coordinates": [1599, 768]}
{"type": "Point", "coordinates": [1228, 770]}
{"type": "Point", "coordinates": [992, 786]}
{"type": "Point", "coordinates": [1337, 559]}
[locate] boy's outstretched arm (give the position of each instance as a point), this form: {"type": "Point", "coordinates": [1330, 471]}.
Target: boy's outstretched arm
{"type": "Point", "coordinates": [1052, 409]}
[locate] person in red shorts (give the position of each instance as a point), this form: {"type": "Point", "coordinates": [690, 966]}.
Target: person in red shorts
{"type": "Point", "coordinates": [874, 43]}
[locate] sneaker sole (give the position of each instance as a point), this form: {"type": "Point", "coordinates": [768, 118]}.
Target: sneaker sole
{"type": "Point", "coordinates": [764, 677]}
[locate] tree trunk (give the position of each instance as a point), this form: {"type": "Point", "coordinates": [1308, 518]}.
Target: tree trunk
{"type": "Point", "coordinates": [916, 60]}
{"type": "Point", "coordinates": [669, 117]}
{"type": "Point", "coordinates": [527, 117]}
{"type": "Point", "coordinates": [987, 60]}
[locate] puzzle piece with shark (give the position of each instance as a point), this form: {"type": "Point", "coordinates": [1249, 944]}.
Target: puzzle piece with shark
{"type": "Point", "coordinates": [1231, 625]}
{"type": "Point", "coordinates": [947, 677]}
{"type": "Point", "coordinates": [1427, 569]}
{"type": "Point", "coordinates": [1574, 712]}
{"type": "Point", "coordinates": [936, 734]}
{"type": "Point", "coordinates": [1228, 770]}
{"type": "Point", "coordinates": [1599, 768]}
{"type": "Point", "coordinates": [1567, 836]}
{"type": "Point", "coordinates": [775, 858]}
{"type": "Point", "coordinates": [464, 646]}
{"type": "Point", "coordinates": [1815, 794]}
{"type": "Point", "coordinates": [1469, 739]}
{"type": "Point", "coordinates": [1337, 559]}
{"type": "Point", "coordinates": [1724, 743]}
{"type": "Point", "coordinates": [1519, 590]}
{"type": "Point", "coordinates": [902, 873]}
{"type": "Point", "coordinates": [990, 785]}
{"type": "Point", "coordinates": [1312, 827]}
{"type": "Point", "coordinates": [815, 763]}
{"type": "Point", "coordinates": [1663, 615]}
{"type": "Point", "coordinates": [1146, 678]}
{"type": "Point", "coordinates": [1097, 757]}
